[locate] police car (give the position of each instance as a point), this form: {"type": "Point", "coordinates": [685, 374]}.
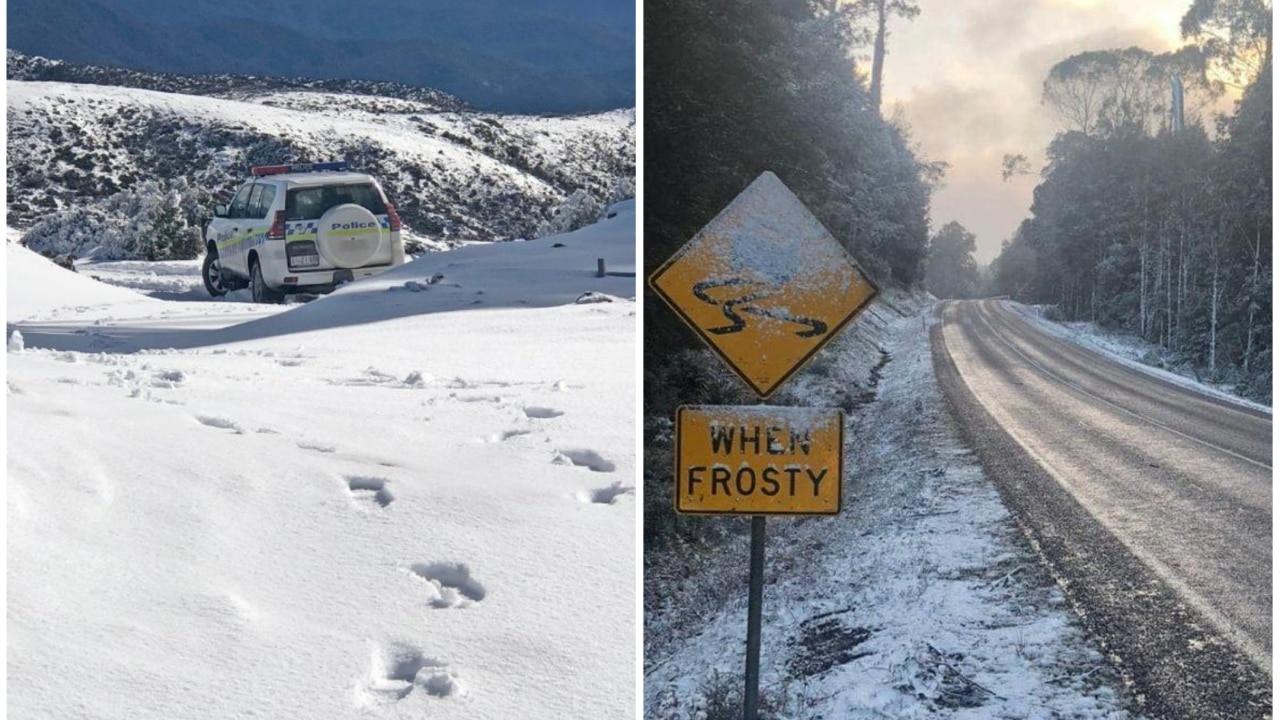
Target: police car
{"type": "Point", "coordinates": [300, 228]}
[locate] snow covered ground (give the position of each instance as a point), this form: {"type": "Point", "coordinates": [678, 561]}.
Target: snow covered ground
{"type": "Point", "coordinates": [411, 498]}
{"type": "Point", "coordinates": [920, 600]}
{"type": "Point", "coordinates": [1127, 349]}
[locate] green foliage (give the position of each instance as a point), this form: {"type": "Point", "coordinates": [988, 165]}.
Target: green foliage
{"type": "Point", "coordinates": [168, 236]}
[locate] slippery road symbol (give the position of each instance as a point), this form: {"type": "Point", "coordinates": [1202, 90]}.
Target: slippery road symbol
{"type": "Point", "coordinates": [743, 300]}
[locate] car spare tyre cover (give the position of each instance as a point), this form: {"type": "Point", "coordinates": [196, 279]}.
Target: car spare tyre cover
{"type": "Point", "coordinates": [349, 236]}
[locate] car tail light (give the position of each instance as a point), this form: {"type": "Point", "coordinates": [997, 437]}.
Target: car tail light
{"type": "Point", "coordinates": [393, 217]}
{"type": "Point", "coordinates": [277, 227]}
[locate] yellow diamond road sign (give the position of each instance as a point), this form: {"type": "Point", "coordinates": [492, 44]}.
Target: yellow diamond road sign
{"type": "Point", "coordinates": [764, 284]}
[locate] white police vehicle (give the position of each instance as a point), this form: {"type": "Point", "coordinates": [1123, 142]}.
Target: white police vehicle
{"type": "Point", "coordinates": [301, 228]}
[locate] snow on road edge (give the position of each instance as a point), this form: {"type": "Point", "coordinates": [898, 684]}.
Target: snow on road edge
{"type": "Point", "coordinates": [921, 600]}
{"type": "Point", "coordinates": [1125, 350]}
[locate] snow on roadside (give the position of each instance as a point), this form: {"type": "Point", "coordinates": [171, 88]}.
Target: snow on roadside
{"type": "Point", "coordinates": [1126, 349]}
{"type": "Point", "coordinates": [920, 600]}
{"type": "Point", "coordinates": [384, 503]}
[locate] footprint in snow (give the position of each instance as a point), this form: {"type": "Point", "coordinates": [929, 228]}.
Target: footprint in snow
{"type": "Point", "coordinates": [590, 459]}
{"type": "Point", "coordinates": [606, 495]}
{"type": "Point", "coordinates": [505, 435]}
{"type": "Point", "coordinates": [475, 398]}
{"type": "Point", "coordinates": [218, 422]}
{"type": "Point", "coordinates": [451, 584]}
{"type": "Point", "coordinates": [317, 447]}
{"type": "Point", "coordinates": [369, 491]}
{"type": "Point", "coordinates": [168, 379]}
{"type": "Point", "coordinates": [542, 413]}
{"type": "Point", "coordinates": [401, 670]}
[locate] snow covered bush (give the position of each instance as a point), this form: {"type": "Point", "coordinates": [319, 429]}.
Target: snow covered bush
{"type": "Point", "coordinates": [154, 221]}
{"type": "Point", "coordinates": [579, 210]}
{"type": "Point", "coordinates": [80, 230]}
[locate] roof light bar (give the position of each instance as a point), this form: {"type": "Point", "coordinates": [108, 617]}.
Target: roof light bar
{"type": "Point", "coordinates": [262, 170]}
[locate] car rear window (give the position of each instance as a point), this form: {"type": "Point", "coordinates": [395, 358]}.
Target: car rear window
{"type": "Point", "coordinates": [309, 203]}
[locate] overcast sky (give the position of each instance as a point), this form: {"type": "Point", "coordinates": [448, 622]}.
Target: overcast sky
{"type": "Point", "coordinates": [968, 73]}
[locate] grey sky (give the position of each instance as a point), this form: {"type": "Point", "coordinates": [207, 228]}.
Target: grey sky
{"type": "Point", "coordinates": [967, 75]}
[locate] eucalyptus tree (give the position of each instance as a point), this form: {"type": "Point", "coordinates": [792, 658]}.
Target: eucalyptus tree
{"type": "Point", "coordinates": [1235, 34]}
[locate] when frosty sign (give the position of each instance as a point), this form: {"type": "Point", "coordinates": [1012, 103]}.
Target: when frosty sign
{"type": "Point", "coordinates": [759, 460]}
{"type": "Point", "coordinates": [764, 284]}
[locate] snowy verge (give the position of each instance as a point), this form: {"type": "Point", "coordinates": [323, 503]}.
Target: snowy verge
{"type": "Point", "coordinates": [1126, 349]}
{"type": "Point", "coordinates": [922, 599]}
{"type": "Point", "coordinates": [386, 503]}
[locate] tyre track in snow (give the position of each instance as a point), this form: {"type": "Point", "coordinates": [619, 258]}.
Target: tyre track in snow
{"type": "Point", "coordinates": [1150, 503]}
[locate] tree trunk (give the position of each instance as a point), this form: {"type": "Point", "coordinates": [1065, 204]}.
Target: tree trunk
{"type": "Point", "coordinates": [1253, 293]}
{"type": "Point", "coordinates": [1213, 310]}
{"type": "Point", "coordinates": [1168, 299]}
{"type": "Point", "coordinates": [1142, 289]}
{"type": "Point", "coordinates": [877, 58]}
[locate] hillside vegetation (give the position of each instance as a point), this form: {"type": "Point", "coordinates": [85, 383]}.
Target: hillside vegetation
{"type": "Point", "coordinates": [455, 174]}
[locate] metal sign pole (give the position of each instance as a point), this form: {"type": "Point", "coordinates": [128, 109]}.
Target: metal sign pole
{"type": "Point", "coordinates": [751, 698]}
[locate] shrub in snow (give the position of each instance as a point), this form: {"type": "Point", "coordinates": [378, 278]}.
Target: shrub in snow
{"type": "Point", "coordinates": [579, 210]}
{"type": "Point", "coordinates": [154, 221]}
{"type": "Point", "coordinates": [67, 261]}
{"type": "Point", "coordinates": [270, 151]}
{"type": "Point", "coordinates": [75, 230]}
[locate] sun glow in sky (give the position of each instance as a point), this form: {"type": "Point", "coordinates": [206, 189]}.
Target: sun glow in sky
{"type": "Point", "coordinates": [967, 75]}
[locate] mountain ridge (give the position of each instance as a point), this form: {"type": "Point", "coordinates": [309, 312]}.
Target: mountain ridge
{"type": "Point", "coordinates": [541, 56]}
{"type": "Point", "coordinates": [456, 174]}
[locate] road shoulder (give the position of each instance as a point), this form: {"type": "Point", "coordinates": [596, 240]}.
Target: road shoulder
{"type": "Point", "coordinates": [1178, 668]}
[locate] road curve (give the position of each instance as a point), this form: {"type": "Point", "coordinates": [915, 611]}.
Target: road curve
{"type": "Point", "coordinates": [1150, 501]}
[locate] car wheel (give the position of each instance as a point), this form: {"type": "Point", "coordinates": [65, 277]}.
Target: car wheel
{"type": "Point", "coordinates": [258, 286]}
{"type": "Point", "coordinates": [211, 271]}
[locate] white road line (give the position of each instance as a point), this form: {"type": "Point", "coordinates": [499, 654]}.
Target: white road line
{"type": "Point", "coordinates": [1125, 410]}
{"type": "Point", "coordinates": [1224, 625]}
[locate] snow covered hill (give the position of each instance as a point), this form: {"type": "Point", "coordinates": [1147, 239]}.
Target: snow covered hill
{"type": "Point", "coordinates": [455, 175]}
{"type": "Point", "coordinates": [411, 498]}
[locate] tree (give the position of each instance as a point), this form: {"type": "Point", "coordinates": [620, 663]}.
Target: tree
{"type": "Point", "coordinates": [1014, 164]}
{"type": "Point", "coordinates": [168, 235]}
{"type": "Point", "coordinates": [1161, 233]}
{"type": "Point", "coordinates": [951, 271]}
{"type": "Point", "coordinates": [1125, 90]}
{"type": "Point", "coordinates": [1234, 34]}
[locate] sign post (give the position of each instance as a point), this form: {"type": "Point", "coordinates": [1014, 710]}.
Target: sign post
{"type": "Point", "coordinates": [765, 286]}
{"type": "Point", "coordinates": [755, 601]}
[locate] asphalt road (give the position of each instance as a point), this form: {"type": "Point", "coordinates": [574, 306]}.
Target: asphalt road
{"type": "Point", "coordinates": [1150, 502]}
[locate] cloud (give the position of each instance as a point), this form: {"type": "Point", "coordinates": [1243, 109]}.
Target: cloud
{"type": "Point", "coordinates": [993, 25]}
{"type": "Point", "coordinates": [1034, 63]}
{"type": "Point", "coordinates": [968, 74]}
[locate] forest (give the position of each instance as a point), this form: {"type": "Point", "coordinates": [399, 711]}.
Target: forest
{"type": "Point", "coordinates": [1153, 213]}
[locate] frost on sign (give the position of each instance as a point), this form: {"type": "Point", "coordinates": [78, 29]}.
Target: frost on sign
{"type": "Point", "coordinates": [761, 460]}
{"type": "Point", "coordinates": [764, 284]}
